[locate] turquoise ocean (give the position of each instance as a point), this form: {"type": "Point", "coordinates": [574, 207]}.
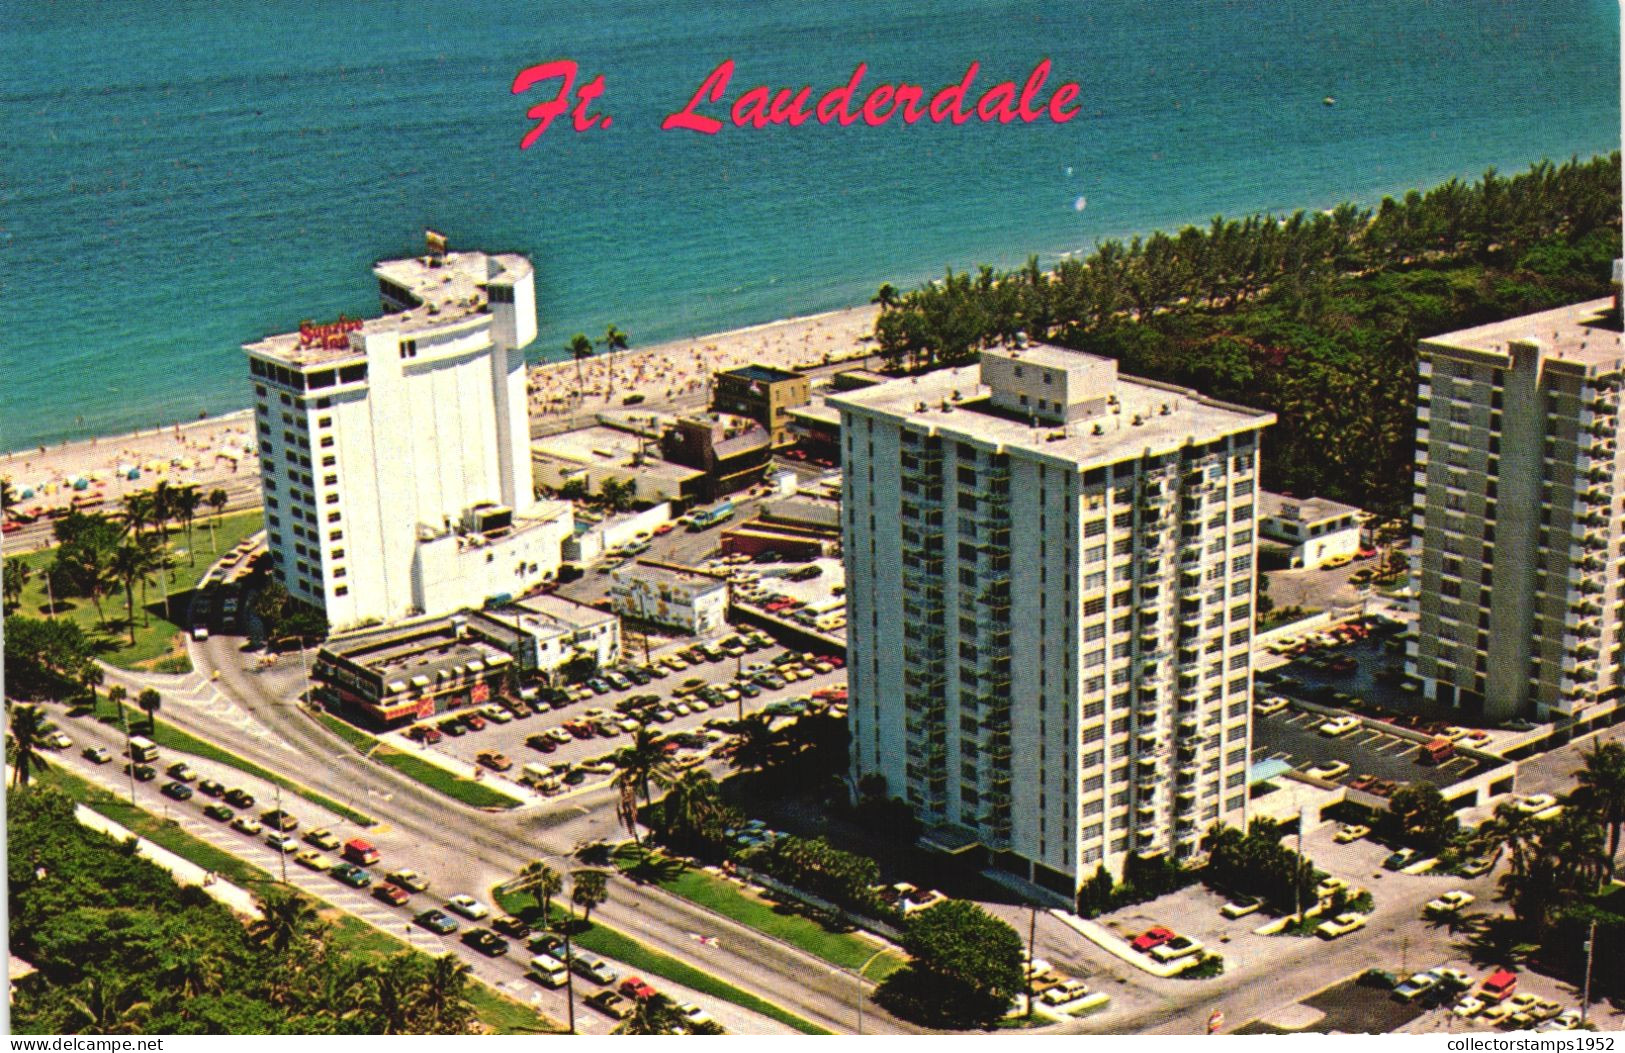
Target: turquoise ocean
{"type": "Point", "coordinates": [176, 179]}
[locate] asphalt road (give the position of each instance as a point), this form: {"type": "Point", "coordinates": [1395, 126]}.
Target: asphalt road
{"type": "Point", "coordinates": [465, 848]}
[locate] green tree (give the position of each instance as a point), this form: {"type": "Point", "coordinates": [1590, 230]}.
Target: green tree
{"type": "Point", "coordinates": [47, 658]}
{"type": "Point", "coordinates": [390, 991]}
{"type": "Point", "coordinates": [442, 1000]}
{"type": "Point", "coordinates": [638, 766]}
{"type": "Point", "coordinates": [287, 920]}
{"type": "Point", "coordinates": [150, 701]}
{"type": "Point", "coordinates": [588, 888]}
{"type": "Point", "coordinates": [760, 747]}
{"type": "Point", "coordinates": [580, 348]}
{"type": "Point", "coordinates": [965, 968]}
{"type": "Point", "coordinates": [132, 561]}
{"type": "Point", "coordinates": [217, 501]}
{"type": "Point", "coordinates": [84, 556]}
{"type": "Point", "coordinates": [16, 575]}
{"type": "Point", "coordinates": [105, 1006]}
{"type": "Point", "coordinates": [612, 341]}
{"type": "Point", "coordinates": [25, 738]}
{"type": "Point", "coordinates": [1601, 791]}
{"type": "Point", "coordinates": [652, 1016]}
{"type": "Point", "coordinates": [692, 815]}
{"type": "Point", "coordinates": [1421, 814]}
{"type": "Point", "coordinates": [543, 883]}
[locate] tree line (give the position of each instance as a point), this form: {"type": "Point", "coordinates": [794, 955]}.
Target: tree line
{"type": "Point", "coordinates": [121, 949]}
{"type": "Point", "coordinates": [1315, 316]}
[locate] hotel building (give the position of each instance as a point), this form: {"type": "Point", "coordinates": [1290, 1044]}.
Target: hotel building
{"type": "Point", "coordinates": [1050, 575]}
{"type": "Point", "coordinates": [1518, 532]}
{"type": "Point", "coordinates": [395, 452]}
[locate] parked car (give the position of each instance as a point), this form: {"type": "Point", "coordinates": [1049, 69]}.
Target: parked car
{"type": "Point", "coordinates": [610, 1004]}
{"type": "Point", "coordinates": [468, 907]}
{"type": "Point", "coordinates": [1451, 902]}
{"type": "Point", "coordinates": [181, 772]}
{"type": "Point", "coordinates": [394, 895]}
{"type": "Point", "coordinates": [1341, 925]}
{"type": "Point", "coordinates": [1152, 938]}
{"type": "Point", "coordinates": [425, 734]}
{"type": "Point", "coordinates": [1339, 726]}
{"type": "Point", "coordinates": [178, 791]}
{"type": "Point", "coordinates": [635, 987]}
{"type": "Point", "coordinates": [1351, 832]}
{"type": "Point", "coordinates": [494, 760]}
{"type": "Point", "coordinates": [244, 824]}
{"type": "Point", "coordinates": [219, 813]}
{"type": "Point", "coordinates": [437, 922]}
{"type": "Point", "coordinates": [314, 860]}
{"type": "Point", "coordinates": [1477, 866]}
{"type": "Point", "coordinates": [211, 788]}
{"type": "Point", "coordinates": [1400, 859]}
{"type": "Point", "coordinates": [1241, 906]}
{"type": "Point", "coordinates": [322, 837]}
{"type": "Point", "coordinates": [509, 925]}
{"type": "Point", "coordinates": [1328, 771]}
{"type": "Point", "coordinates": [277, 819]}
{"type": "Point", "coordinates": [97, 755]}
{"type": "Point", "coordinates": [1272, 704]}
{"type": "Point", "coordinates": [594, 969]}
{"type": "Point", "coordinates": [410, 880]}
{"type": "Point", "coordinates": [281, 842]}
{"type": "Point", "coordinates": [238, 798]}
{"type": "Point", "coordinates": [352, 875]}
{"type": "Point", "coordinates": [142, 772]}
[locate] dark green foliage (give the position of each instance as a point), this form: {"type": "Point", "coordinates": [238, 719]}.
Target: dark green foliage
{"type": "Point", "coordinates": [1258, 864]}
{"type": "Point", "coordinates": [48, 658]}
{"type": "Point", "coordinates": [816, 866]}
{"type": "Point", "coordinates": [120, 948]}
{"type": "Point", "coordinates": [1419, 815]}
{"type": "Point", "coordinates": [1315, 317]}
{"type": "Point", "coordinates": [965, 968]}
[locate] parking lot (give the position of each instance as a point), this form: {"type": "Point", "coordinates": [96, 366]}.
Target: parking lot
{"type": "Point", "coordinates": [673, 708]}
{"type": "Point", "coordinates": [1292, 735]}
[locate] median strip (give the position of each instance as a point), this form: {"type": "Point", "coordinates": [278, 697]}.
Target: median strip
{"type": "Point", "coordinates": [471, 793]}
{"type": "Point", "coordinates": [612, 944]}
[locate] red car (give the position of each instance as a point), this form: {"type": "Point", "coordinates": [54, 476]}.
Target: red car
{"type": "Point", "coordinates": [394, 895]}
{"type": "Point", "coordinates": [474, 722]}
{"type": "Point", "coordinates": [424, 733]}
{"type": "Point", "coordinates": [634, 987]}
{"type": "Point", "coordinates": [664, 528]}
{"type": "Point", "coordinates": [1152, 938]}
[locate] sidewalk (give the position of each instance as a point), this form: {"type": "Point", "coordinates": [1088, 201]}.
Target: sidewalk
{"type": "Point", "coordinates": [184, 871]}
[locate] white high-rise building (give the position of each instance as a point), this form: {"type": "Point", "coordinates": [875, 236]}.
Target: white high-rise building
{"type": "Point", "coordinates": [1050, 587]}
{"type": "Point", "coordinates": [395, 452]}
{"type": "Point", "coordinates": [1518, 524]}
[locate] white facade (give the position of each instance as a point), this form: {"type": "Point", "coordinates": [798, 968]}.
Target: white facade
{"type": "Point", "coordinates": [558, 631]}
{"type": "Point", "coordinates": [1315, 530]}
{"type": "Point", "coordinates": [1049, 629]}
{"type": "Point", "coordinates": [380, 438]}
{"type": "Point", "coordinates": [693, 602]}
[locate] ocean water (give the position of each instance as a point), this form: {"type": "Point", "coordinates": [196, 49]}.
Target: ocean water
{"type": "Point", "coordinates": [178, 179]}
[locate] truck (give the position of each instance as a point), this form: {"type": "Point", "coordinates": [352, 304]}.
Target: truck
{"type": "Point", "coordinates": [142, 750]}
{"type": "Point", "coordinates": [361, 852]}
{"type": "Point", "coordinates": [1436, 751]}
{"type": "Point", "coordinates": [705, 518]}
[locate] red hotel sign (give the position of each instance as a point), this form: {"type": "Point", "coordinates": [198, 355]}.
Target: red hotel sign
{"type": "Point", "coordinates": [331, 335]}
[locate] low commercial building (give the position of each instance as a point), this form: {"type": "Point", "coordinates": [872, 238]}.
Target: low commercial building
{"type": "Point", "coordinates": [599, 453]}
{"type": "Point", "coordinates": [762, 393]}
{"type": "Point", "coordinates": [554, 632]}
{"type": "Point", "coordinates": [732, 451]}
{"type": "Point", "coordinates": [1311, 530]}
{"type": "Point", "coordinates": [592, 541]}
{"type": "Point", "coordinates": [671, 595]}
{"type": "Point", "coordinates": [411, 672]}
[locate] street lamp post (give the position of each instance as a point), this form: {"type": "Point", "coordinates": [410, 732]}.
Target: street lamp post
{"type": "Point", "coordinates": [1591, 947]}
{"type": "Point", "coordinates": [283, 856]}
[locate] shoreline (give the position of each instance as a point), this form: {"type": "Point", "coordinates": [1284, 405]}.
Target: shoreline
{"type": "Point", "coordinates": [220, 451]}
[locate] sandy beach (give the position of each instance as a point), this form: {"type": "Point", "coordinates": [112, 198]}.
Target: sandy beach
{"type": "Point", "coordinates": [219, 451]}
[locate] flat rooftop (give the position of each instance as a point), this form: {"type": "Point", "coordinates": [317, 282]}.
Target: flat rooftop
{"type": "Point", "coordinates": [1310, 509]}
{"type": "Point", "coordinates": [656, 573]}
{"type": "Point", "coordinates": [758, 372]}
{"type": "Point", "coordinates": [557, 610]}
{"type": "Point", "coordinates": [600, 446]}
{"type": "Point", "coordinates": [1148, 418]}
{"type": "Point", "coordinates": [449, 290]}
{"type": "Point", "coordinates": [1585, 334]}
{"type": "Point", "coordinates": [431, 649]}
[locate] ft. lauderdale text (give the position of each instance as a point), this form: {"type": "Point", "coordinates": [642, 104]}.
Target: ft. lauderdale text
{"type": "Point", "coordinates": [761, 106]}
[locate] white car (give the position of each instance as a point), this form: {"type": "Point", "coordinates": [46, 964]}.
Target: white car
{"type": "Point", "coordinates": [283, 843]}
{"type": "Point", "coordinates": [1064, 992]}
{"type": "Point", "coordinates": [1451, 902]}
{"type": "Point", "coordinates": [1328, 771]}
{"type": "Point", "coordinates": [1567, 1020]}
{"type": "Point", "coordinates": [1273, 704]}
{"type": "Point", "coordinates": [1471, 1005]}
{"type": "Point", "coordinates": [1341, 925]}
{"type": "Point", "coordinates": [468, 907]}
{"type": "Point", "coordinates": [1534, 803]}
{"type": "Point", "coordinates": [694, 1015]}
{"type": "Point", "coordinates": [1339, 726]}
{"type": "Point", "coordinates": [58, 741]}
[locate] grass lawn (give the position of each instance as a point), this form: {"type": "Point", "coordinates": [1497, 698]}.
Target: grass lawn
{"type": "Point", "coordinates": [847, 950]}
{"type": "Point", "coordinates": [431, 775]}
{"type": "Point", "coordinates": [172, 737]}
{"type": "Point", "coordinates": [156, 638]}
{"type": "Point", "coordinates": [612, 944]}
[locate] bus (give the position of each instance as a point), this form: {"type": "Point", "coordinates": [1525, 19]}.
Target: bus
{"type": "Point", "coordinates": [705, 518]}
{"type": "Point", "coordinates": [142, 750]}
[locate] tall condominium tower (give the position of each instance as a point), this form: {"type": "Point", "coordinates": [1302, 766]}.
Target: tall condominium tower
{"type": "Point", "coordinates": [1517, 544]}
{"type": "Point", "coordinates": [1050, 574]}
{"type": "Point", "coordinates": [395, 451]}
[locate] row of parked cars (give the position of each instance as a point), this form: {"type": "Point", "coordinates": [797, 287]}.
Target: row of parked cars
{"type": "Point", "coordinates": [1496, 1000]}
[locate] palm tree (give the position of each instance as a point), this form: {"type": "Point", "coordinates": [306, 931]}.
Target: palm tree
{"type": "Point", "coordinates": [390, 992]}
{"type": "Point", "coordinates": [27, 739]}
{"type": "Point", "coordinates": [442, 999]}
{"type": "Point", "coordinates": [613, 340]}
{"type": "Point", "coordinates": [101, 1006]}
{"type": "Point", "coordinates": [542, 882]}
{"type": "Point", "coordinates": [287, 919]}
{"type": "Point", "coordinates": [588, 888]}
{"type": "Point", "coordinates": [138, 510]}
{"type": "Point", "coordinates": [185, 502]}
{"type": "Point", "coordinates": [652, 1016]}
{"type": "Point", "coordinates": [580, 348]}
{"type": "Point", "coordinates": [885, 296]}
{"type": "Point", "coordinates": [759, 745]}
{"type": "Point", "coordinates": [132, 561]}
{"type": "Point", "coordinates": [6, 494]}
{"type": "Point", "coordinates": [14, 579]}
{"type": "Point", "coordinates": [149, 700]}
{"type": "Point", "coordinates": [691, 809]}
{"type": "Point", "coordinates": [637, 766]}
{"type": "Point", "coordinates": [217, 501]}
{"type": "Point", "coordinates": [1602, 791]}
{"type": "Point", "coordinates": [191, 969]}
